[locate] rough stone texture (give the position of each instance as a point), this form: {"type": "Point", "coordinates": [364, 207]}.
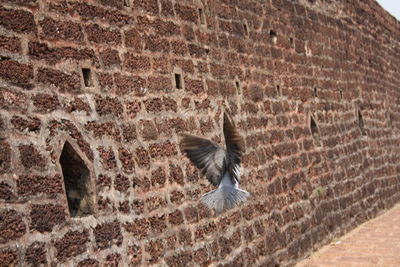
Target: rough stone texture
{"type": "Point", "coordinates": [16, 73]}
{"type": "Point", "coordinates": [45, 217]}
{"type": "Point", "coordinates": [20, 21]}
{"type": "Point", "coordinates": [65, 82]}
{"type": "Point", "coordinates": [36, 254]}
{"type": "Point", "coordinates": [11, 44]}
{"type": "Point", "coordinates": [8, 258]}
{"type": "Point", "coordinates": [5, 157]}
{"type": "Point", "coordinates": [30, 185]}
{"type": "Point", "coordinates": [71, 244]}
{"type": "Point", "coordinates": [11, 227]}
{"type": "Point", "coordinates": [108, 234]}
{"type": "Point", "coordinates": [58, 30]}
{"type": "Point", "coordinates": [272, 64]}
{"type": "Point", "coordinates": [6, 192]}
{"type": "Point", "coordinates": [31, 157]}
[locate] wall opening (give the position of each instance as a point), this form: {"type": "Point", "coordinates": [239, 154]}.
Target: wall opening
{"type": "Point", "coordinates": [315, 92]}
{"type": "Point", "coordinates": [126, 3]}
{"type": "Point", "coordinates": [341, 94]}
{"type": "Point", "coordinates": [273, 36]}
{"type": "Point", "coordinates": [237, 85]}
{"type": "Point", "coordinates": [246, 29]}
{"type": "Point", "coordinates": [389, 120]}
{"type": "Point", "coordinates": [315, 132]}
{"type": "Point", "coordinates": [291, 41]}
{"type": "Point", "coordinates": [202, 17]}
{"type": "Point", "coordinates": [87, 77]}
{"type": "Point", "coordinates": [278, 91]}
{"type": "Point", "coordinates": [76, 181]}
{"type": "Point", "coordinates": [178, 81]}
{"type": "Point", "coordinates": [361, 124]}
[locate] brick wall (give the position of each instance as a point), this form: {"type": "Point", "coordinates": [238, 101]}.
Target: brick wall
{"type": "Point", "coordinates": [312, 85]}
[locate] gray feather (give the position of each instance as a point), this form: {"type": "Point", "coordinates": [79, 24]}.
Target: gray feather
{"type": "Point", "coordinates": [225, 197]}
{"type": "Point", "coordinates": [205, 155]}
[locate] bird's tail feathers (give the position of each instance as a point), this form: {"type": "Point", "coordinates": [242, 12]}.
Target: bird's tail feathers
{"type": "Point", "coordinates": [224, 198]}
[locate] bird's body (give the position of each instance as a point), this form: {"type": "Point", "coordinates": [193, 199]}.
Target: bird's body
{"type": "Point", "coordinates": [220, 166]}
{"type": "Point", "coordinates": [226, 196]}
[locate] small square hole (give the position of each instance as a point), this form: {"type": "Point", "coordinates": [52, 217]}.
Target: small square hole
{"type": "Point", "coordinates": [87, 77]}
{"type": "Point", "coordinates": [178, 81]}
{"type": "Point", "coordinates": [202, 17]}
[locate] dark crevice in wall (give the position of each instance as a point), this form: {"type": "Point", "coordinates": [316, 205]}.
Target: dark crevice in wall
{"type": "Point", "coordinates": [76, 181]}
{"type": "Point", "coordinates": [278, 91]}
{"type": "Point", "coordinates": [361, 124]}
{"type": "Point", "coordinates": [202, 17]}
{"type": "Point", "coordinates": [237, 85]}
{"type": "Point", "coordinates": [246, 29]}
{"type": "Point", "coordinates": [273, 36]}
{"type": "Point", "coordinates": [178, 81]}
{"type": "Point", "coordinates": [315, 132]}
{"type": "Point", "coordinates": [389, 120]}
{"type": "Point", "coordinates": [87, 77]}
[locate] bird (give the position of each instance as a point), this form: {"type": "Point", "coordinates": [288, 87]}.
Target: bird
{"type": "Point", "coordinates": [220, 166]}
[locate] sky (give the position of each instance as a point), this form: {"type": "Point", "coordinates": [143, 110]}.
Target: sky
{"type": "Point", "coordinates": [392, 6]}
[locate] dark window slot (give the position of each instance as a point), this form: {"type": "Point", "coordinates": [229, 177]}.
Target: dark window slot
{"type": "Point", "coordinates": [87, 77]}
{"type": "Point", "coordinates": [315, 132]}
{"type": "Point", "coordinates": [361, 124]}
{"type": "Point", "coordinates": [237, 84]}
{"type": "Point", "coordinates": [315, 92]}
{"type": "Point", "coordinates": [202, 17]}
{"type": "Point", "coordinates": [389, 121]}
{"type": "Point", "coordinates": [246, 29]}
{"type": "Point", "coordinates": [178, 81]}
{"type": "Point", "coordinates": [273, 36]}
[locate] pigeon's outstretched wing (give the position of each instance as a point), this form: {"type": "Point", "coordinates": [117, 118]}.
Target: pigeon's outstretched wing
{"type": "Point", "coordinates": [234, 147]}
{"type": "Point", "coordinates": [205, 155]}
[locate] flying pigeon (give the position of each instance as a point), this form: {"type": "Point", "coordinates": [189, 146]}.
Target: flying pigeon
{"type": "Point", "coordinates": [220, 166]}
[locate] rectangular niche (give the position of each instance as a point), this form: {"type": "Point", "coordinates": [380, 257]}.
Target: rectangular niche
{"type": "Point", "coordinates": [315, 132]}
{"type": "Point", "coordinates": [202, 17]}
{"type": "Point", "coordinates": [87, 77]}
{"type": "Point", "coordinates": [178, 81]}
{"type": "Point", "coordinates": [77, 182]}
{"type": "Point", "coordinates": [361, 124]}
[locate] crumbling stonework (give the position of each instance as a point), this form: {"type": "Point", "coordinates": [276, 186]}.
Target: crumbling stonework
{"type": "Point", "coordinates": [313, 87]}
